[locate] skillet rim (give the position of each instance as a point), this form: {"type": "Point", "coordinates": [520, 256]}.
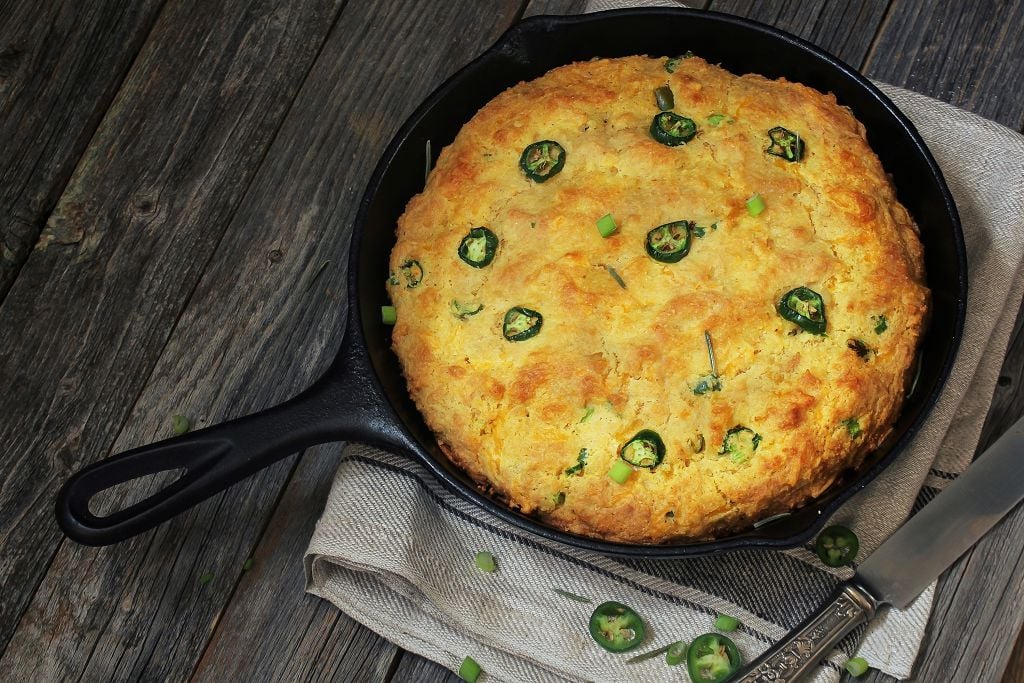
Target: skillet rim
{"type": "Point", "coordinates": [362, 305]}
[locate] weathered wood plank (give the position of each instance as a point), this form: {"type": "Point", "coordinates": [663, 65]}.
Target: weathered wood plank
{"type": "Point", "coordinates": [283, 328]}
{"type": "Point", "coordinates": [536, 7]}
{"type": "Point", "coordinates": [322, 643]}
{"type": "Point", "coordinates": [846, 29]}
{"type": "Point", "coordinates": [969, 54]}
{"type": "Point", "coordinates": [413, 669]}
{"type": "Point", "coordinates": [92, 308]}
{"type": "Point", "coordinates": [966, 55]}
{"type": "Point", "coordinates": [577, 6]}
{"type": "Point", "coordinates": [60, 65]}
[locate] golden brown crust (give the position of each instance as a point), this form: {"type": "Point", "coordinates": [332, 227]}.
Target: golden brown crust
{"type": "Point", "coordinates": [608, 361]}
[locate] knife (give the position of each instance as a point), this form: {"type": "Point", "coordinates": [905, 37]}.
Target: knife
{"type": "Point", "coordinates": [902, 567]}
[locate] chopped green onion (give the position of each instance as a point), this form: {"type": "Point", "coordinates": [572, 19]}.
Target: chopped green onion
{"type": "Point", "coordinates": [388, 315]}
{"type": "Point", "coordinates": [663, 98]}
{"type": "Point", "coordinates": [616, 276]}
{"type": "Point", "coordinates": [857, 666]}
{"type": "Point", "coordinates": [755, 205]}
{"type": "Point", "coordinates": [726, 623]}
{"type": "Point", "coordinates": [247, 565]}
{"type": "Point", "coordinates": [881, 324]}
{"type": "Point", "coordinates": [649, 655]}
{"type": "Point", "coordinates": [180, 425]}
{"type": "Point", "coordinates": [716, 119]}
{"type": "Point", "coordinates": [620, 471]}
{"type": "Point", "coordinates": [587, 412]}
{"type": "Point", "coordinates": [676, 653]}
{"type": "Point", "coordinates": [581, 462]}
{"type": "Point", "coordinates": [606, 225]}
{"type": "Point", "coordinates": [853, 427]}
{"type": "Point", "coordinates": [469, 671]}
{"type": "Point", "coordinates": [769, 520]}
{"type": "Point", "coordinates": [672, 63]}
{"type": "Point", "coordinates": [426, 168]}
{"type": "Point", "coordinates": [464, 310]}
{"type": "Point", "coordinates": [572, 596]}
{"type": "Point", "coordinates": [485, 562]}
{"type": "Point", "coordinates": [206, 578]}
{"type": "Point", "coordinates": [558, 498]}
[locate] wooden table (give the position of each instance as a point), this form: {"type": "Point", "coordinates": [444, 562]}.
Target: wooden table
{"type": "Point", "coordinates": [177, 184]}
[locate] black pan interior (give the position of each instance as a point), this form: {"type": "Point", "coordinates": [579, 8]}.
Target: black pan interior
{"type": "Point", "coordinates": [539, 44]}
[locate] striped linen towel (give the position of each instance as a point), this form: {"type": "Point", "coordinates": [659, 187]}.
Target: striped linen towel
{"type": "Point", "coordinates": [395, 550]}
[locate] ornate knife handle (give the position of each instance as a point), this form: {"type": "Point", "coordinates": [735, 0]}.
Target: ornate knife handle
{"type": "Point", "coordinates": [794, 657]}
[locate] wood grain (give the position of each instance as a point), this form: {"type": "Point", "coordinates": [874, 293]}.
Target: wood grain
{"type": "Point", "coordinates": [968, 54]}
{"type": "Point", "coordinates": [94, 305]}
{"type": "Point", "coordinates": [60, 66]}
{"type": "Point", "coordinates": [266, 275]}
{"type": "Point", "coordinates": [323, 643]}
{"type": "Point", "coordinates": [846, 29]}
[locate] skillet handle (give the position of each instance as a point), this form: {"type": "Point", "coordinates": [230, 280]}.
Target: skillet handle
{"type": "Point", "coordinates": [212, 459]}
{"type": "Point", "coordinates": [344, 405]}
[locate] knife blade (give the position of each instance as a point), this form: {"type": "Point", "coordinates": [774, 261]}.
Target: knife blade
{"type": "Point", "coordinates": [909, 560]}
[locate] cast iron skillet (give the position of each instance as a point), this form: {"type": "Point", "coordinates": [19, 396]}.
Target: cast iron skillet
{"type": "Point", "coordinates": [363, 397]}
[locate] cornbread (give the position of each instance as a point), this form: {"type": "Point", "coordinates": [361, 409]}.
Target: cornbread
{"type": "Point", "coordinates": [579, 257]}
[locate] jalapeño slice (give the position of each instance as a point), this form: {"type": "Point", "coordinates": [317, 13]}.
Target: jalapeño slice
{"type": "Point", "coordinates": [616, 627]}
{"type": "Point", "coordinates": [521, 323]}
{"type": "Point", "coordinates": [804, 307]}
{"type": "Point", "coordinates": [646, 449]}
{"type": "Point", "coordinates": [412, 271]}
{"type": "Point", "coordinates": [740, 444]}
{"type": "Point", "coordinates": [478, 247]}
{"type": "Point", "coordinates": [541, 160]}
{"type": "Point", "coordinates": [671, 129]}
{"type": "Point", "coordinates": [712, 658]}
{"type": "Point", "coordinates": [837, 546]}
{"type": "Point", "coordinates": [785, 143]}
{"type": "Point", "coordinates": [670, 242]}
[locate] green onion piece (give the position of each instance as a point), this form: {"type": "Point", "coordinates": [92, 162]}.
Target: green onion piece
{"type": "Point", "coordinates": [857, 666]}
{"type": "Point", "coordinates": [485, 562]}
{"type": "Point", "coordinates": [247, 565]}
{"type": "Point", "coordinates": [755, 205]}
{"type": "Point", "coordinates": [426, 168]}
{"type": "Point", "coordinates": [388, 315]}
{"type": "Point", "coordinates": [725, 623]}
{"type": "Point", "coordinates": [769, 520]}
{"type": "Point", "coordinates": [853, 427]}
{"type": "Point", "coordinates": [469, 671]}
{"type": "Point", "coordinates": [572, 596]}
{"type": "Point", "coordinates": [716, 119]}
{"type": "Point", "coordinates": [676, 653]}
{"type": "Point", "coordinates": [672, 63]}
{"type": "Point", "coordinates": [616, 276]}
{"type": "Point", "coordinates": [588, 411]}
{"type": "Point", "coordinates": [581, 462]}
{"type": "Point", "coordinates": [620, 471]}
{"type": "Point", "coordinates": [606, 225]}
{"type": "Point", "coordinates": [180, 425]}
{"type": "Point", "coordinates": [663, 98]}
{"type": "Point", "coordinates": [881, 324]}
{"type": "Point", "coordinates": [649, 655]}
{"type": "Point", "coordinates": [206, 578]}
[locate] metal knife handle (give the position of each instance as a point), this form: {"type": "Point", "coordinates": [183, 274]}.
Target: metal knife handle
{"type": "Point", "coordinates": [791, 659]}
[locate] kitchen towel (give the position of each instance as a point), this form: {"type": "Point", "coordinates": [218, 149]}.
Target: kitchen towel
{"type": "Point", "coordinates": [395, 550]}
